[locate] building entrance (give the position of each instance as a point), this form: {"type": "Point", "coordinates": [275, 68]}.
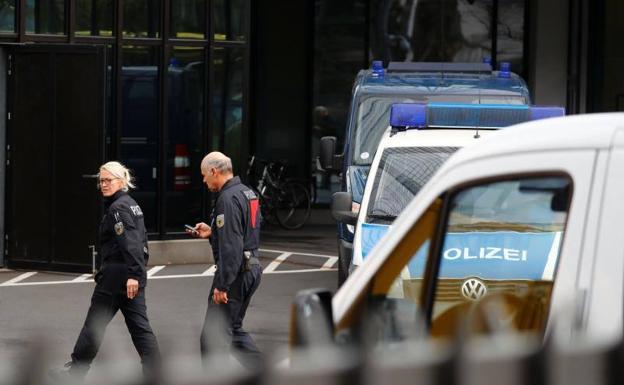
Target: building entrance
{"type": "Point", "coordinates": [55, 145]}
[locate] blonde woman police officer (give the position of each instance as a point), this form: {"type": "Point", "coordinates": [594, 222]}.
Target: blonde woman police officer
{"type": "Point", "coordinates": [122, 278]}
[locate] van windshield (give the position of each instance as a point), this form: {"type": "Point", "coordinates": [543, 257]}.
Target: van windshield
{"type": "Point", "coordinates": [373, 117]}
{"type": "Point", "coordinates": [403, 171]}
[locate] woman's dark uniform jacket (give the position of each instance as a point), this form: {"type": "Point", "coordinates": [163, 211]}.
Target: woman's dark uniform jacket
{"type": "Point", "coordinates": [124, 254]}
{"type": "Point", "coordinates": [123, 240]}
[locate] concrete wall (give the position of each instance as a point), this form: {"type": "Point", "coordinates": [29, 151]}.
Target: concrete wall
{"type": "Point", "coordinates": [548, 51]}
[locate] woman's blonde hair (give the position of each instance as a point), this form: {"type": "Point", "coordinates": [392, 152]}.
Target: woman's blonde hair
{"type": "Point", "coordinates": [119, 171]}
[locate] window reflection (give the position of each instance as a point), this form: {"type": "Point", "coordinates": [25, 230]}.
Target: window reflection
{"type": "Point", "coordinates": [45, 16]}
{"type": "Point", "coordinates": [432, 30]}
{"type": "Point", "coordinates": [227, 101]}
{"type": "Point", "coordinates": [340, 52]}
{"type": "Point", "coordinates": [188, 19]}
{"type": "Point", "coordinates": [229, 19]}
{"type": "Point", "coordinates": [185, 150]}
{"type": "Point", "coordinates": [510, 43]}
{"type": "Point", "coordinates": [7, 16]}
{"type": "Point", "coordinates": [139, 131]}
{"type": "Point", "coordinates": [94, 17]}
{"type": "Point", "coordinates": [141, 18]}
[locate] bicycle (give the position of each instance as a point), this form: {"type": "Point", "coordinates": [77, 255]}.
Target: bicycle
{"type": "Point", "coordinates": [282, 200]}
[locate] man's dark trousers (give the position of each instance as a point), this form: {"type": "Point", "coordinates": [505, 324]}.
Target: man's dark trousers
{"type": "Point", "coordinates": [239, 296]}
{"type": "Point", "coordinates": [104, 305]}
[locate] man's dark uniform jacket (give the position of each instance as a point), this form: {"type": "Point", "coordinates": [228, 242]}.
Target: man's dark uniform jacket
{"type": "Point", "coordinates": [235, 227]}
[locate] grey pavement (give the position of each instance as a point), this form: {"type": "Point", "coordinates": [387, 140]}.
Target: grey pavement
{"type": "Point", "coordinates": [317, 235]}
{"type": "Point", "coordinates": [53, 305]}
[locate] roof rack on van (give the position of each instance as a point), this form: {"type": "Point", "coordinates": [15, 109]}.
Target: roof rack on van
{"type": "Point", "coordinates": [458, 115]}
{"type": "Point", "coordinates": [475, 68]}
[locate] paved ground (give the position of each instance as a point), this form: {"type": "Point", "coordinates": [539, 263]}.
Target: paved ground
{"type": "Point", "coordinates": [54, 305]}
{"type": "Point", "coordinates": [317, 236]}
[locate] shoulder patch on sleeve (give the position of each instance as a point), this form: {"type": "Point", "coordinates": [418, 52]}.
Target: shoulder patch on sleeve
{"type": "Point", "coordinates": [119, 228]}
{"type": "Point", "coordinates": [220, 220]}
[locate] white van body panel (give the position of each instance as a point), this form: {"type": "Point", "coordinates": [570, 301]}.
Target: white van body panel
{"type": "Point", "coordinates": [588, 148]}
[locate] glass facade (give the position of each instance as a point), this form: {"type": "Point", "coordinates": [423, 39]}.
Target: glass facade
{"type": "Point", "coordinates": [227, 101]}
{"type": "Point", "coordinates": [188, 19]}
{"type": "Point", "coordinates": [139, 125]}
{"type": "Point", "coordinates": [510, 34]}
{"type": "Point", "coordinates": [7, 16]}
{"type": "Point", "coordinates": [45, 17]}
{"type": "Point", "coordinates": [230, 20]}
{"type": "Point", "coordinates": [179, 73]}
{"type": "Point", "coordinates": [184, 137]}
{"type": "Point", "coordinates": [166, 74]}
{"type": "Point", "coordinates": [349, 34]}
{"type": "Point", "coordinates": [141, 18]}
{"type": "Point", "coordinates": [94, 17]}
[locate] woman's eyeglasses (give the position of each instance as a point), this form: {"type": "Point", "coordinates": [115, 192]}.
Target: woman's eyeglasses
{"type": "Point", "coordinates": [105, 181]}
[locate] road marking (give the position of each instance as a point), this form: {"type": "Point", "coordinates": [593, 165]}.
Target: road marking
{"type": "Point", "coordinates": [296, 252]}
{"type": "Point", "coordinates": [154, 270]}
{"type": "Point", "coordinates": [209, 272]}
{"type": "Point", "coordinates": [302, 271]}
{"type": "Point", "coordinates": [20, 277]}
{"type": "Point", "coordinates": [82, 278]}
{"type": "Point", "coordinates": [329, 263]}
{"type": "Point", "coordinates": [42, 283]}
{"type": "Point", "coordinates": [276, 262]}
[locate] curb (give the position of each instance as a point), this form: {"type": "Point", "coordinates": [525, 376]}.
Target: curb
{"type": "Point", "coordinates": [180, 251]}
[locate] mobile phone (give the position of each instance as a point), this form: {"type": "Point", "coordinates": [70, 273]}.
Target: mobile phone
{"type": "Point", "coordinates": [190, 228]}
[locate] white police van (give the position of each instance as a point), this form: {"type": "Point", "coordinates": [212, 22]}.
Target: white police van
{"type": "Point", "coordinates": [407, 156]}
{"type": "Point", "coordinates": [529, 218]}
{"type": "Point", "coordinates": [419, 139]}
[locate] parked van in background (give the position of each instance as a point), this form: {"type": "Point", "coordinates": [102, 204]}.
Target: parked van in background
{"type": "Point", "coordinates": [376, 89]}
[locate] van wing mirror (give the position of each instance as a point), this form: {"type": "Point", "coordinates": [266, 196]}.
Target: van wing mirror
{"type": "Point", "coordinates": [328, 158]}
{"type": "Point", "coordinates": [311, 318]}
{"type": "Point", "coordinates": [341, 208]}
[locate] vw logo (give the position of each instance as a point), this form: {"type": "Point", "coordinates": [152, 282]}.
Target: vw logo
{"type": "Point", "coordinates": [473, 289]}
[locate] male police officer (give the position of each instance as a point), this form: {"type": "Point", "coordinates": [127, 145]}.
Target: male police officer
{"type": "Point", "coordinates": [234, 234]}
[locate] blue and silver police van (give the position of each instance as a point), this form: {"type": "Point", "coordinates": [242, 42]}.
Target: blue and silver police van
{"type": "Point", "coordinates": [376, 89]}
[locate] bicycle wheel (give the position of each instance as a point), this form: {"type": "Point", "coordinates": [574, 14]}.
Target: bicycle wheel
{"type": "Point", "coordinates": [292, 207]}
{"type": "Point", "coordinates": [266, 209]}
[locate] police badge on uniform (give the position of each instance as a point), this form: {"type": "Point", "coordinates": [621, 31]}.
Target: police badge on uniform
{"type": "Point", "coordinates": [220, 220]}
{"type": "Point", "coordinates": [119, 228]}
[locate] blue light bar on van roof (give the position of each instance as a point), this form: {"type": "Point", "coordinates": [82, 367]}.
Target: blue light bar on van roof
{"type": "Point", "coordinates": [443, 115]}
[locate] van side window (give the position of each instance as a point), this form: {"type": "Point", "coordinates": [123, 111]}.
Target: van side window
{"type": "Point", "coordinates": [499, 253]}
{"type": "Point", "coordinates": [395, 294]}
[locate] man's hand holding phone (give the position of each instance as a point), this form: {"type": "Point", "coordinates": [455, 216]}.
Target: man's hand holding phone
{"type": "Point", "coordinates": [201, 230]}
